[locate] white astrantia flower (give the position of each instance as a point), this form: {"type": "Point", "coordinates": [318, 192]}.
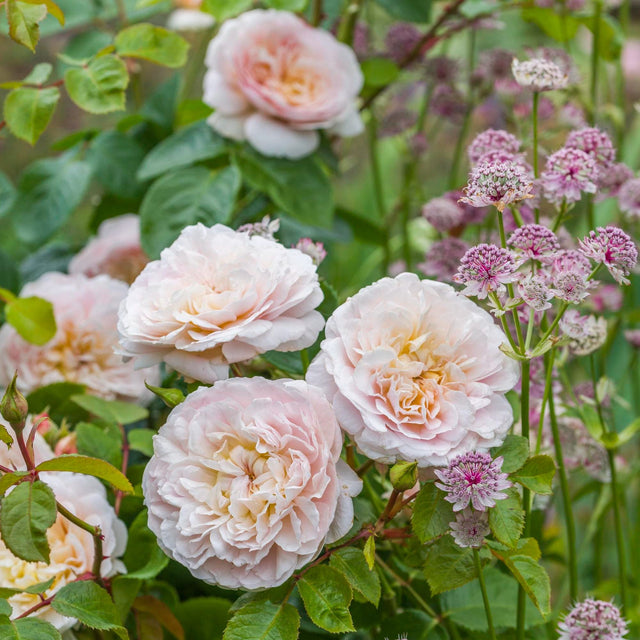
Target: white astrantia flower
{"type": "Point", "coordinates": [246, 483]}
{"type": "Point", "coordinates": [539, 74]}
{"type": "Point", "coordinates": [415, 372]}
{"type": "Point", "coordinates": [218, 296]}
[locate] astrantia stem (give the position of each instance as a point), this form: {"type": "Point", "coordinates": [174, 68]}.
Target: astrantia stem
{"type": "Point", "coordinates": [534, 115]}
{"type": "Point", "coordinates": [485, 597]}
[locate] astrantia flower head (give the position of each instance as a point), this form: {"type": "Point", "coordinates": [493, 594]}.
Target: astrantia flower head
{"type": "Point", "coordinates": [443, 258]}
{"type": "Point", "coordinates": [470, 528]}
{"type": "Point", "coordinates": [266, 228]}
{"type": "Point", "coordinates": [442, 213]}
{"type": "Point", "coordinates": [587, 333]}
{"type": "Point", "coordinates": [629, 198]}
{"type": "Point", "coordinates": [535, 241]}
{"type": "Point", "coordinates": [613, 248]}
{"type": "Point", "coordinates": [593, 620]}
{"type": "Point", "coordinates": [632, 336]}
{"type": "Point", "coordinates": [539, 74]}
{"type": "Point", "coordinates": [441, 69]}
{"type": "Point", "coordinates": [612, 179]}
{"type": "Point", "coordinates": [594, 142]}
{"type": "Point", "coordinates": [473, 478]}
{"type": "Point", "coordinates": [535, 292]}
{"type": "Point", "coordinates": [498, 184]}
{"type": "Point", "coordinates": [492, 140]}
{"type": "Point", "coordinates": [568, 173]}
{"type": "Point", "coordinates": [571, 286]}
{"type": "Point", "coordinates": [606, 297]}
{"type": "Point", "coordinates": [485, 268]}
{"type": "Point", "coordinates": [400, 40]}
{"type": "Point", "coordinates": [315, 250]}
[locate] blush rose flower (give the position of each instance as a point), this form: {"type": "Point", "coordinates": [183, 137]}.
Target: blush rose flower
{"type": "Point", "coordinates": [274, 81]}
{"type": "Point", "coordinates": [83, 348]}
{"type": "Point", "coordinates": [415, 372]}
{"type": "Point", "coordinates": [246, 483]}
{"type": "Point", "coordinates": [218, 296]}
{"type": "Point", "coordinates": [115, 251]}
{"type": "Point", "coordinates": [71, 547]}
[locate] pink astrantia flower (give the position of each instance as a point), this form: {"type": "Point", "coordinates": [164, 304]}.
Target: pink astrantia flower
{"type": "Point", "coordinates": [218, 296]}
{"type": "Point", "coordinates": [567, 174]}
{"type": "Point", "coordinates": [606, 297]}
{"type": "Point", "coordinates": [539, 74]}
{"type": "Point", "coordinates": [535, 292]}
{"type": "Point", "coordinates": [595, 143]}
{"type": "Point", "coordinates": [442, 214]}
{"type": "Point", "coordinates": [629, 198]}
{"type": "Point", "coordinates": [534, 241]}
{"type": "Point", "coordinates": [401, 39]}
{"type": "Point", "coordinates": [246, 483]}
{"type": "Point", "coordinates": [632, 336]}
{"type": "Point", "coordinates": [486, 268]}
{"type": "Point", "coordinates": [115, 251]}
{"type": "Point", "coordinates": [443, 258]}
{"type": "Point", "coordinates": [499, 184]}
{"type": "Point", "coordinates": [83, 347]}
{"type": "Point", "coordinates": [315, 250]}
{"type": "Point", "coordinates": [266, 228]}
{"type": "Point", "coordinates": [569, 276]}
{"type": "Point", "coordinates": [593, 620]}
{"type": "Point", "coordinates": [587, 333]}
{"type": "Point", "coordinates": [613, 248]}
{"type": "Point", "coordinates": [611, 180]}
{"type": "Point", "coordinates": [470, 528]}
{"type": "Point", "coordinates": [415, 372]}
{"type": "Point", "coordinates": [274, 81]}
{"type": "Point", "coordinates": [473, 478]}
{"type": "Point", "coordinates": [492, 140]}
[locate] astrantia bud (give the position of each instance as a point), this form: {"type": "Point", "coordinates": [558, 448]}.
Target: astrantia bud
{"type": "Point", "coordinates": [14, 407]}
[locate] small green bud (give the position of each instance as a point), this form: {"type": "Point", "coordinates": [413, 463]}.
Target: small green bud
{"type": "Point", "coordinates": [404, 475]}
{"type": "Point", "coordinates": [171, 397]}
{"type": "Point", "coordinates": [14, 407]}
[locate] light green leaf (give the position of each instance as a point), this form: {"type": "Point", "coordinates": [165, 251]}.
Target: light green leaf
{"type": "Point", "coordinates": [288, 5]}
{"type": "Point", "coordinates": [28, 111]}
{"type": "Point", "coordinates": [514, 450]}
{"type": "Point", "coordinates": [171, 397]}
{"type": "Point", "coordinates": [40, 587]}
{"type": "Point", "coordinates": [506, 519]}
{"type": "Point", "coordinates": [88, 466]}
{"type": "Point", "coordinates": [263, 621]}
{"type": "Point", "coordinates": [613, 440]}
{"type": "Point", "coordinates": [186, 197]}
{"type": "Point", "coordinates": [23, 20]}
{"type": "Point", "coordinates": [141, 440]}
{"type": "Point", "coordinates": [352, 564]}
{"type": "Point", "coordinates": [52, 8]}
{"type": "Point", "coordinates": [152, 43]}
{"type": "Point", "coordinates": [560, 28]}
{"type": "Point", "coordinates": [370, 552]}
{"type": "Point", "coordinates": [28, 629]}
{"type": "Point", "coordinates": [326, 595]}
{"type": "Point", "coordinates": [223, 9]}
{"type": "Point", "coordinates": [39, 74]}
{"type": "Point", "coordinates": [536, 474]}
{"type": "Point", "coordinates": [25, 515]}
{"type": "Point", "coordinates": [431, 513]}
{"type": "Point", "coordinates": [379, 71]}
{"type": "Point", "coordinates": [32, 318]}
{"type": "Point", "coordinates": [98, 87]}
{"type": "Point", "coordinates": [9, 479]}
{"type": "Point", "coordinates": [448, 566]}
{"type": "Point", "coordinates": [111, 410]}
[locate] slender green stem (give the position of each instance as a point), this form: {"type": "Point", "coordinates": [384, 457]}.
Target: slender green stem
{"type": "Point", "coordinates": [374, 161]}
{"type": "Point", "coordinates": [348, 21]}
{"type": "Point", "coordinates": [595, 46]}
{"type": "Point", "coordinates": [534, 115]}
{"type": "Point", "coordinates": [316, 12]}
{"type": "Point", "coordinates": [485, 597]}
{"type": "Point", "coordinates": [545, 399]}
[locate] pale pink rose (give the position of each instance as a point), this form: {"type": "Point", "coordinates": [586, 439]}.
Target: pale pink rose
{"type": "Point", "coordinates": [217, 296]}
{"type": "Point", "coordinates": [246, 483]}
{"type": "Point", "coordinates": [71, 547]}
{"type": "Point", "coordinates": [415, 372]}
{"type": "Point", "coordinates": [188, 17]}
{"type": "Point", "coordinates": [275, 81]}
{"type": "Point", "coordinates": [82, 350]}
{"type": "Point", "coordinates": [114, 251]}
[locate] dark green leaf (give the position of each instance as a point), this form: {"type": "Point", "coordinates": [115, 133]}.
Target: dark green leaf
{"type": "Point", "coordinates": [26, 514]}
{"type": "Point", "coordinates": [514, 450]}
{"type": "Point", "coordinates": [152, 43]}
{"type": "Point", "coordinates": [143, 558]}
{"type": "Point", "coordinates": [88, 466]}
{"type": "Point", "coordinates": [353, 566]}
{"type": "Point", "coordinates": [411, 623]}
{"type": "Point", "coordinates": [112, 410]}
{"type": "Point", "coordinates": [448, 566]}
{"type": "Point", "coordinates": [263, 621]}
{"type": "Point", "coordinates": [28, 111]}
{"type": "Point", "coordinates": [536, 474]}
{"type": "Point", "coordinates": [53, 397]}
{"type": "Point", "coordinates": [431, 513]}
{"type": "Point", "coordinates": [203, 618]}
{"type": "Point", "coordinates": [289, 362]}
{"type": "Point", "coordinates": [409, 10]}
{"type": "Point", "coordinates": [100, 441]}
{"type": "Point", "coordinates": [506, 519]}
{"type": "Point", "coordinates": [32, 318]}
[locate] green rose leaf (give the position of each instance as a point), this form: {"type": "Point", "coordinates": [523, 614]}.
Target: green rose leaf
{"type": "Point", "coordinates": [288, 5]}
{"type": "Point", "coordinates": [152, 43]}
{"type": "Point", "coordinates": [553, 23]}
{"type": "Point", "coordinates": [223, 9]}
{"type": "Point", "coordinates": [32, 318]}
{"type": "Point", "coordinates": [23, 20]}
{"type": "Point", "coordinates": [514, 450]}
{"type": "Point", "coordinates": [352, 564]}
{"type": "Point", "coordinates": [25, 515]}
{"type": "Point", "coordinates": [536, 474]}
{"type": "Point", "coordinates": [90, 467]}
{"type": "Point", "coordinates": [52, 8]}
{"type": "Point", "coordinates": [408, 10]}
{"type": "Point", "coordinates": [506, 519]}
{"type": "Point", "coordinates": [91, 605]}
{"type": "Point", "coordinates": [203, 618]}
{"type": "Point", "coordinates": [143, 558]}
{"type": "Point", "coordinates": [112, 411]}
{"type": "Point", "coordinates": [263, 621]}
{"type": "Point", "coordinates": [28, 111]}
{"type": "Point", "coordinates": [448, 566]}
{"type": "Point", "coordinates": [9, 479]}
{"type": "Point", "coordinates": [141, 440]}
{"type": "Point", "coordinates": [326, 595]}
{"type": "Point", "coordinates": [431, 513]}
{"type": "Point", "coordinates": [98, 87]}
{"type": "Point", "coordinates": [379, 71]}
{"type": "Point", "coordinates": [28, 629]}
{"type": "Point", "coordinates": [100, 441]}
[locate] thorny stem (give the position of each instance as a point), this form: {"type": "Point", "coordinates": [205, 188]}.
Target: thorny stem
{"type": "Point", "coordinates": [485, 597]}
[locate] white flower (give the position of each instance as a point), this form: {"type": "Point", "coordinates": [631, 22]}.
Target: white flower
{"type": "Point", "coordinates": [539, 74]}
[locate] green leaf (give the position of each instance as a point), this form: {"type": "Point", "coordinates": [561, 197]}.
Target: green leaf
{"type": "Point", "coordinates": [28, 111]}
{"type": "Point", "coordinates": [560, 28]}
{"type": "Point", "coordinates": [411, 623]}
{"type": "Point", "coordinates": [379, 71]}
{"type": "Point", "coordinates": [88, 466]}
{"type": "Point", "coordinates": [32, 318]}
{"type": "Point", "coordinates": [514, 450]}
{"type": "Point", "coordinates": [326, 595]}
{"type": "Point", "coordinates": [152, 43]}
{"type": "Point", "coordinates": [52, 8]}
{"type": "Point", "coordinates": [223, 9]}
{"type": "Point", "coordinates": [370, 552]}
{"type": "Point", "coordinates": [9, 479]}
{"type": "Point", "coordinates": [613, 440]}
{"type": "Point", "coordinates": [48, 192]}
{"type": "Point", "coordinates": [288, 5]}
{"type": "Point", "coordinates": [28, 629]}
{"type": "Point", "coordinates": [39, 74]}
{"type": "Point", "coordinates": [448, 566]}
{"type": "Point", "coordinates": [185, 147]}
{"type": "Point", "coordinates": [100, 441]}
{"type": "Point", "coordinates": [100, 86]}
{"type": "Point", "coordinates": [408, 10]}
{"type": "Point", "coordinates": [141, 440]}
{"type": "Point", "coordinates": [203, 618]}
{"type": "Point", "coordinates": [263, 621]}
{"type": "Point", "coordinates": [25, 515]}
{"type": "Point", "coordinates": [351, 563]}
{"type": "Point", "coordinates": [610, 36]}
{"type": "Point", "coordinates": [111, 410]}
{"type": "Point", "coordinates": [287, 361]}
{"type": "Point", "coordinates": [431, 513]}
{"type": "Point", "coordinates": [186, 197]}
{"type": "Point", "coordinates": [5, 436]}
{"type": "Point", "coordinates": [91, 605]}
{"type": "Point", "coordinates": [40, 587]}
{"type": "Point", "coordinates": [23, 20]}
{"type": "Point", "coordinates": [7, 194]}
{"type": "Point", "coordinates": [171, 397]}
{"type": "Point", "coordinates": [143, 558]}
{"type": "Point", "coordinates": [5, 607]}
{"type": "Point", "coordinates": [403, 475]}
{"type": "Point", "coordinates": [536, 474]}
{"type": "Point", "coordinates": [124, 591]}
{"type": "Point", "coordinates": [300, 187]}
{"type": "Point", "coordinates": [161, 612]}
{"type": "Point", "coordinates": [506, 519]}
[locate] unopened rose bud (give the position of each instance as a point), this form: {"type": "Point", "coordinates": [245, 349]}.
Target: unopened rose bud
{"type": "Point", "coordinates": [404, 475]}
{"type": "Point", "coordinates": [14, 407]}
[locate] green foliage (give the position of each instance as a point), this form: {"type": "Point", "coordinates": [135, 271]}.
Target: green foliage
{"type": "Point", "coordinates": [100, 441]}
{"type": "Point", "coordinates": [408, 10]}
{"type": "Point", "coordinates": [223, 9]}
{"type": "Point", "coordinates": [536, 474]}
{"type": "Point", "coordinates": [113, 411]}
{"type": "Point", "coordinates": [27, 629]}
{"type": "Point", "coordinates": [141, 440]}
{"type": "Point", "coordinates": [448, 566]}
{"type": "Point", "coordinates": [431, 513]}
{"type": "Point", "coordinates": [144, 558]}
{"type": "Point", "coordinates": [203, 618]}
{"type": "Point", "coordinates": [411, 623]}
{"type": "Point", "coordinates": [560, 28]}
{"type": "Point", "coordinates": [289, 362]}
{"type": "Point", "coordinates": [152, 43]}
{"type": "Point", "coordinates": [7, 194]}
{"type": "Point", "coordinates": [24, 19]}
{"type": "Point", "coordinates": [183, 198]}
{"type": "Point", "coordinates": [379, 71]}
{"type": "Point", "coordinates": [90, 604]}
{"type": "Point", "coordinates": [28, 111]}
{"type": "Point", "coordinates": [506, 519]}
{"type": "Point", "coordinates": [263, 621]}
{"type": "Point", "coordinates": [287, 5]}
{"type": "Point", "coordinates": [159, 611]}
{"type": "Point", "coordinates": [32, 318]}
{"type": "Point", "coordinates": [514, 450]}
{"type": "Point", "coordinates": [326, 595]}
{"type": "Point", "coordinates": [25, 515]}
{"type": "Point", "coordinates": [99, 86]}
{"type": "Point", "coordinates": [370, 552]}
{"type": "Point", "coordinates": [9, 479]}
{"type": "Point", "coordinates": [171, 397]}
{"type": "Point", "coordinates": [352, 564]}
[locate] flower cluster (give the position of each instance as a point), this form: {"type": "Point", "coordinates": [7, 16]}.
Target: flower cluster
{"type": "Point", "coordinates": [568, 173]}
{"type": "Point", "coordinates": [539, 74]}
{"type": "Point", "coordinates": [593, 620]}
{"type": "Point", "coordinates": [613, 248]}
{"type": "Point", "coordinates": [484, 269]}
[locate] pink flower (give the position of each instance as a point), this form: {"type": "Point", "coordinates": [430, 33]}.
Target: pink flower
{"type": "Point", "coordinates": [217, 296]}
{"type": "Point", "coordinates": [486, 268]}
{"type": "Point", "coordinates": [593, 620]}
{"type": "Point", "coordinates": [275, 81]}
{"type": "Point", "coordinates": [613, 248]}
{"type": "Point", "coordinates": [442, 258]}
{"type": "Point", "coordinates": [415, 372]}
{"type": "Point", "coordinates": [115, 251]}
{"type": "Point", "coordinates": [315, 250]}
{"type": "Point", "coordinates": [611, 182]}
{"type": "Point", "coordinates": [539, 74]}
{"type": "Point", "coordinates": [567, 174]}
{"type": "Point", "coordinates": [470, 528]}
{"type": "Point", "coordinates": [83, 348]}
{"type": "Point", "coordinates": [629, 198]}
{"type": "Point", "coordinates": [246, 483]}
{"type": "Point", "coordinates": [595, 143]}
{"type": "Point", "coordinates": [492, 140]}
{"type": "Point", "coordinates": [442, 213]}
{"type": "Point", "coordinates": [535, 241]}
